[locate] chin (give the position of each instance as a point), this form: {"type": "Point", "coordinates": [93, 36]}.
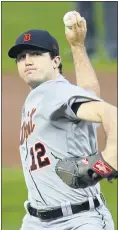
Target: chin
{"type": "Point", "coordinates": [33, 81]}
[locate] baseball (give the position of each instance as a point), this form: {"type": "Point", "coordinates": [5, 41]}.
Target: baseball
{"type": "Point", "coordinates": [69, 19]}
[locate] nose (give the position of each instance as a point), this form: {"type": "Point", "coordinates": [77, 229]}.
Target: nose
{"type": "Point", "coordinates": [28, 60]}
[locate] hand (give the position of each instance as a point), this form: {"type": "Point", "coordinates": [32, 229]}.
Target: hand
{"type": "Point", "coordinates": [77, 34]}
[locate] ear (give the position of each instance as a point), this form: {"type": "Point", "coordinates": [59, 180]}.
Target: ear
{"type": "Point", "coordinates": [56, 62]}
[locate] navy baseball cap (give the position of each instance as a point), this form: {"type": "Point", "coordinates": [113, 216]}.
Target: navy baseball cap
{"type": "Point", "coordinates": [38, 39]}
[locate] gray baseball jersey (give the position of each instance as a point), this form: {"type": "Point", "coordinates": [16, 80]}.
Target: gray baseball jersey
{"type": "Point", "coordinates": [50, 131]}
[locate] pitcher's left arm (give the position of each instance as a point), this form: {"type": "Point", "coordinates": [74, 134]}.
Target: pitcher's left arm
{"type": "Point", "coordinates": [78, 172]}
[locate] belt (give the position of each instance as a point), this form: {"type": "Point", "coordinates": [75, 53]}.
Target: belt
{"type": "Point", "coordinates": [56, 213]}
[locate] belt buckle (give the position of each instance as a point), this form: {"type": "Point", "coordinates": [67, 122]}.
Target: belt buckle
{"type": "Point", "coordinates": [41, 214]}
{"type": "Point", "coordinates": [38, 214]}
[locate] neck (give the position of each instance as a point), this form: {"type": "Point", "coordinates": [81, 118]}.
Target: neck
{"type": "Point", "coordinates": [33, 85]}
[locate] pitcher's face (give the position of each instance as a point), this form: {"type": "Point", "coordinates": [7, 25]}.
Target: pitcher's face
{"type": "Point", "coordinates": [36, 67]}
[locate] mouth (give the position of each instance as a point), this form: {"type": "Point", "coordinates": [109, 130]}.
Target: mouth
{"type": "Point", "coordinates": [30, 70]}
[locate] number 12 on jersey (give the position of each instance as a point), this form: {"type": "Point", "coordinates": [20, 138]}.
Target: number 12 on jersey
{"type": "Point", "coordinates": [38, 159]}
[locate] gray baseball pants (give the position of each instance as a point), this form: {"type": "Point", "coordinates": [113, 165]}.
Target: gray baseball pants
{"type": "Point", "coordinates": [88, 220]}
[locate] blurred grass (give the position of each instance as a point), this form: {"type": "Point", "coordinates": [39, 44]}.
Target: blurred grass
{"type": "Point", "coordinates": [18, 17]}
{"type": "Point", "coordinates": [14, 194]}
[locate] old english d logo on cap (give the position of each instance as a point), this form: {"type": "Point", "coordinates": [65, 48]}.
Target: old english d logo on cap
{"type": "Point", "coordinates": [27, 37]}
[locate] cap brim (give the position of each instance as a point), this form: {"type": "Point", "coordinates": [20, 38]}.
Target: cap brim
{"type": "Point", "coordinates": [15, 50]}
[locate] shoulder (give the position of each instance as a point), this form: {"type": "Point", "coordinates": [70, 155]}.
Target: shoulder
{"type": "Point", "coordinates": [63, 87]}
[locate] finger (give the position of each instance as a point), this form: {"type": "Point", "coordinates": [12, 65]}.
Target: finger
{"type": "Point", "coordinates": [84, 23]}
{"type": "Point", "coordinates": [94, 175]}
{"type": "Point", "coordinates": [74, 27]}
{"type": "Point", "coordinates": [83, 26]}
{"type": "Point", "coordinates": [79, 19]}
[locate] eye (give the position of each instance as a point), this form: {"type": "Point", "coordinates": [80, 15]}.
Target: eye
{"type": "Point", "coordinates": [36, 53]}
{"type": "Point", "coordinates": [21, 57]}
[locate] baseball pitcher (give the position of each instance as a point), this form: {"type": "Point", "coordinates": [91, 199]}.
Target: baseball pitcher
{"type": "Point", "coordinates": [58, 144]}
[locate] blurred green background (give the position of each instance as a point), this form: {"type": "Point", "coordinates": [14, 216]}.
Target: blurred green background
{"type": "Point", "coordinates": [16, 18]}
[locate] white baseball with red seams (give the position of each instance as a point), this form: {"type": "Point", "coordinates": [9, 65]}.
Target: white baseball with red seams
{"type": "Point", "coordinates": [69, 19]}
